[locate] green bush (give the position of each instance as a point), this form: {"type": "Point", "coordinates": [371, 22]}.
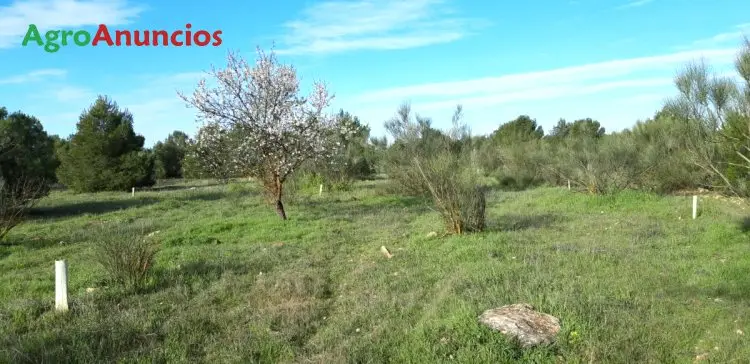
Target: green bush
{"type": "Point", "coordinates": [521, 165]}
{"type": "Point", "coordinates": [661, 148]}
{"type": "Point", "coordinates": [425, 162]}
{"type": "Point", "coordinates": [455, 193]}
{"type": "Point", "coordinates": [308, 181]}
{"type": "Point", "coordinates": [127, 255]}
{"type": "Point", "coordinates": [169, 155]}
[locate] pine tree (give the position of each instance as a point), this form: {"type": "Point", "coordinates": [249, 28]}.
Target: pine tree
{"type": "Point", "coordinates": [105, 153]}
{"type": "Point", "coordinates": [26, 151]}
{"type": "Point", "coordinates": [170, 154]}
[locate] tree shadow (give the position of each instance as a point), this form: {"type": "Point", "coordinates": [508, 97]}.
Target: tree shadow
{"type": "Point", "coordinates": [88, 207]}
{"type": "Point", "coordinates": [516, 222]}
{"type": "Point", "coordinates": [733, 286]}
{"type": "Point", "coordinates": [745, 225]}
{"type": "Point", "coordinates": [189, 273]}
{"type": "Point", "coordinates": [168, 188]}
{"type": "Point", "coordinates": [206, 196]}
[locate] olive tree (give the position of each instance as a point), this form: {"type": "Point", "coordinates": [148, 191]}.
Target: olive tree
{"type": "Point", "coordinates": [277, 128]}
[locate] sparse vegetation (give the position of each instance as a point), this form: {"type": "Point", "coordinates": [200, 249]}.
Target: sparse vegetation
{"type": "Point", "coordinates": [232, 282]}
{"type": "Point", "coordinates": [198, 270]}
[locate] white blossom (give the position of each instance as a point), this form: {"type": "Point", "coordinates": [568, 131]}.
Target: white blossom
{"type": "Point", "coordinates": [275, 129]}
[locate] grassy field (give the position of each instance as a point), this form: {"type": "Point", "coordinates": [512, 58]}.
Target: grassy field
{"type": "Point", "coordinates": [632, 277]}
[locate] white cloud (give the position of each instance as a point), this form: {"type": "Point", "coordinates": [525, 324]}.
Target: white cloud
{"type": "Point", "coordinates": [542, 84]}
{"type": "Point", "coordinates": [729, 38]}
{"type": "Point", "coordinates": [156, 108]}
{"type": "Point", "coordinates": [60, 14]}
{"type": "Point", "coordinates": [72, 93]}
{"type": "Point", "coordinates": [152, 87]}
{"type": "Point", "coordinates": [33, 76]}
{"type": "Point", "coordinates": [645, 98]}
{"type": "Point", "coordinates": [338, 26]}
{"type": "Point", "coordinates": [548, 92]}
{"type": "Point", "coordinates": [57, 121]}
{"type": "Point", "coordinates": [634, 4]}
{"type": "Point", "coordinates": [630, 88]}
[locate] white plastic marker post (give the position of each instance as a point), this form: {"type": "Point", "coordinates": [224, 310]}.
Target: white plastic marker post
{"type": "Point", "coordinates": [695, 207]}
{"type": "Point", "coordinates": [61, 285]}
{"type": "Point", "coordinates": [568, 184]}
{"type": "Point", "coordinates": [320, 193]}
{"type": "Point", "coordinates": [133, 192]}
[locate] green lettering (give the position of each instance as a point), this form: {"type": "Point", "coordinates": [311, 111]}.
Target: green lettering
{"type": "Point", "coordinates": [82, 34]}
{"type": "Point", "coordinates": [32, 34]}
{"type": "Point", "coordinates": [51, 36]}
{"type": "Point", "coordinates": [65, 35]}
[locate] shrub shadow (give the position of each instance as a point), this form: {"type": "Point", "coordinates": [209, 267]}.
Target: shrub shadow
{"type": "Point", "coordinates": [29, 243]}
{"type": "Point", "coordinates": [353, 209]}
{"type": "Point", "coordinates": [179, 187]}
{"type": "Point", "coordinates": [648, 233]}
{"type": "Point", "coordinates": [206, 196]}
{"type": "Point", "coordinates": [516, 222]}
{"type": "Point", "coordinates": [88, 207]}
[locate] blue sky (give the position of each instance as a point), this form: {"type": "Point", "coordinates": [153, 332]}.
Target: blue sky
{"type": "Point", "coordinates": [609, 60]}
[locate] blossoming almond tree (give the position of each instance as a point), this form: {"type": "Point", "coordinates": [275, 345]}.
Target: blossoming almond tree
{"type": "Point", "coordinates": [278, 129]}
{"type": "Point", "coordinates": [213, 151]}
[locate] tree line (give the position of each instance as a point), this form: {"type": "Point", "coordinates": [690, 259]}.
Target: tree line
{"type": "Point", "coordinates": [256, 123]}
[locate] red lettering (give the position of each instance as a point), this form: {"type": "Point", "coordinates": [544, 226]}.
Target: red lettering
{"type": "Point", "coordinates": [202, 34]}
{"type": "Point", "coordinates": [138, 42]}
{"type": "Point", "coordinates": [217, 38]}
{"type": "Point", "coordinates": [102, 33]}
{"type": "Point", "coordinates": [174, 40]}
{"type": "Point", "coordinates": [188, 34]}
{"type": "Point", "coordinates": [164, 36]}
{"type": "Point", "coordinates": [119, 35]}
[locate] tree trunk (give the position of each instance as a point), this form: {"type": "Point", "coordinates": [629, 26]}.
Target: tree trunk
{"type": "Point", "coordinates": [279, 205]}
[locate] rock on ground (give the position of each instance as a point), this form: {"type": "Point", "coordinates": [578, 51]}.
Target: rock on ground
{"type": "Point", "coordinates": [519, 321]}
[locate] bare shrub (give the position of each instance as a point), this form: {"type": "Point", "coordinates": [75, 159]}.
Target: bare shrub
{"type": "Point", "coordinates": [16, 199]}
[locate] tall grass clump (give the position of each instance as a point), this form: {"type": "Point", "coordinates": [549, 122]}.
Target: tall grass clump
{"type": "Point", "coordinates": [455, 193]}
{"type": "Point", "coordinates": [126, 254]}
{"type": "Point", "coordinates": [426, 162]}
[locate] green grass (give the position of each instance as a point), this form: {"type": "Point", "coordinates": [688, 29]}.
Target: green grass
{"type": "Point", "coordinates": [632, 277]}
